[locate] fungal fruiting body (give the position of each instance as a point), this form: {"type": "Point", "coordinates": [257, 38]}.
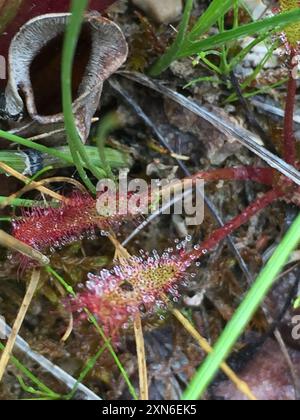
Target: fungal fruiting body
{"type": "Point", "coordinates": [34, 56]}
{"type": "Point", "coordinates": [15, 13]}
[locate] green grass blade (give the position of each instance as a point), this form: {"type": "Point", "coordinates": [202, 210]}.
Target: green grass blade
{"type": "Point", "coordinates": [109, 123]}
{"type": "Point", "coordinates": [38, 147]}
{"type": "Point", "coordinates": [213, 13]}
{"type": "Point", "coordinates": [164, 62]}
{"type": "Point", "coordinates": [18, 160]}
{"type": "Point", "coordinates": [279, 21]}
{"type": "Point", "coordinates": [87, 369]}
{"type": "Point", "coordinates": [29, 375]}
{"type": "Point", "coordinates": [244, 313]}
{"type": "Point", "coordinates": [115, 159]}
{"type": "Point", "coordinates": [20, 202]}
{"type": "Point", "coordinates": [69, 48]}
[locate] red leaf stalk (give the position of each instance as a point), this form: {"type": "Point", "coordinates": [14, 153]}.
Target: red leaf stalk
{"type": "Point", "coordinates": [289, 142]}
{"type": "Point", "coordinates": [49, 229]}
{"type": "Point", "coordinates": [247, 173]}
{"type": "Point", "coordinates": [218, 235]}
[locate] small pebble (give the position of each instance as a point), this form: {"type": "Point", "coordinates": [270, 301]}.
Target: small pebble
{"type": "Point", "coordinates": [256, 8]}
{"type": "Point", "coordinates": [162, 11]}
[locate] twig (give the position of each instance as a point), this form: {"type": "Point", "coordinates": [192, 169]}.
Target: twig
{"type": "Point", "coordinates": [9, 241]}
{"type": "Point", "coordinates": [30, 187]}
{"type": "Point", "coordinates": [51, 133]}
{"type": "Point", "coordinates": [26, 180]}
{"type": "Point", "coordinates": [34, 281]}
{"type": "Point", "coordinates": [54, 370]}
{"type": "Point", "coordinates": [140, 349]}
{"type": "Point", "coordinates": [241, 385]}
{"type": "Point", "coordinates": [122, 254]}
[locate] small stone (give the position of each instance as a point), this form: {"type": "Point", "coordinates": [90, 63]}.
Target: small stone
{"type": "Point", "coordinates": [162, 11]}
{"type": "Point", "coordinates": [196, 300]}
{"type": "Point", "coordinates": [256, 8]}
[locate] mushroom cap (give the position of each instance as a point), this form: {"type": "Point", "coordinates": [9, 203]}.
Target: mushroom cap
{"type": "Point", "coordinates": [108, 51]}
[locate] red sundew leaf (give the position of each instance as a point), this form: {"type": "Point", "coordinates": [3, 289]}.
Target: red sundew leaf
{"type": "Point", "coordinates": [48, 229]}
{"type": "Point", "coordinates": [14, 13]}
{"type": "Point", "coordinates": [52, 228]}
{"type": "Point", "coordinates": [144, 285]}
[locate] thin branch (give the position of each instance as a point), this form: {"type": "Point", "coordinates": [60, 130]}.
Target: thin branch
{"type": "Point", "coordinates": [123, 255]}
{"type": "Point", "coordinates": [9, 241]}
{"type": "Point", "coordinates": [34, 186]}
{"type": "Point", "coordinates": [141, 356]}
{"type": "Point", "coordinates": [27, 181]}
{"type": "Point", "coordinates": [203, 343]}
{"type": "Point", "coordinates": [35, 278]}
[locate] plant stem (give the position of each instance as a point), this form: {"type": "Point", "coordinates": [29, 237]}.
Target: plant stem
{"type": "Point", "coordinates": [245, 173]}
{"type": "Point", "coordinates": [221, 233]}
{"type": "Point", "coordinates": [89, 366]}
{"type": "Point", "coordinates": [289, 142]}
{"type": "Point", "coordinates": [21, 162]}
{"type": "Point", "coordinates": [108, 123]}
{"type": "Point", "coordinates": [21, 202]}
{"type": "Point", "coordinates": [35, 278]}
{"type": "Point", "coordinates": [203, 343]}
{"type": "Point", "coordinates": [39, 147]}
{"type": "Point", "coordinates": [243, 315]}
{"type": "Point", "coordinates": [10, 242]}
{"type": "Point", "coordinates": [28, 181]}
{"type": "Point", "coordinates": [76, 146]}
{"type": "Point", "coordinates": [140, 349]}
{"type": "Point", "coordinates": [166, 59]}
{"type": "Point", "coordinates": [107, 342]}
{"type": "Point", "coordinates": [29, 375]}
